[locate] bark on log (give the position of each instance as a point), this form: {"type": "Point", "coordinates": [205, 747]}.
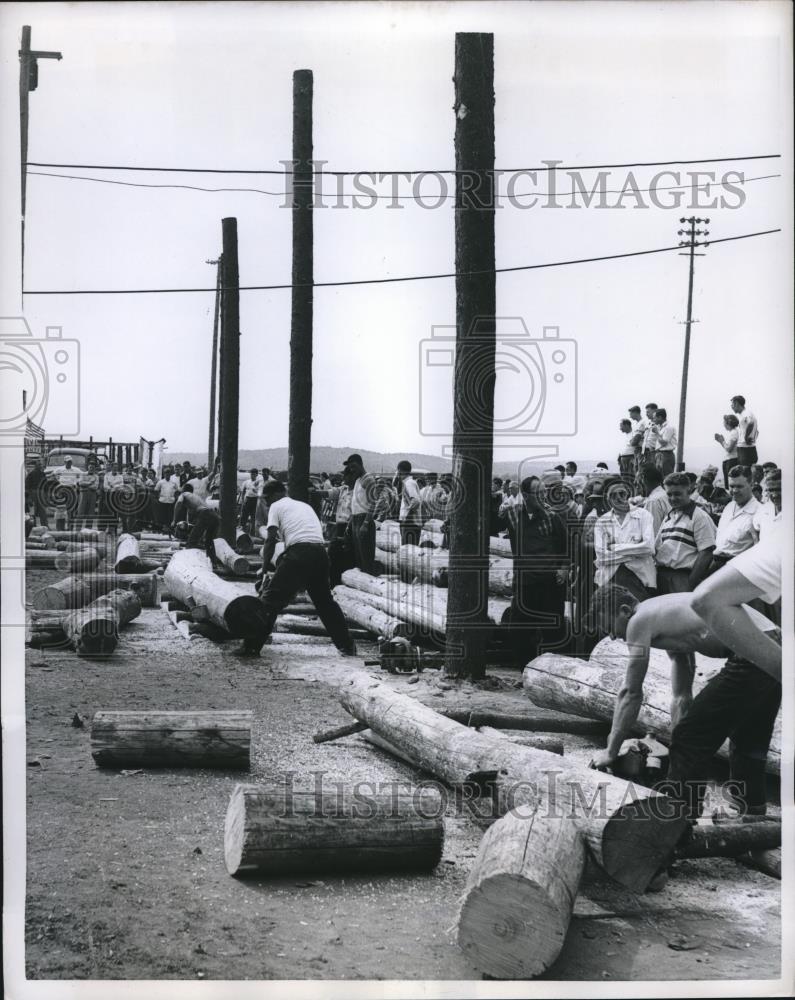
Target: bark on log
{"type": "Point", "coordinates": [277, 831]}
{"type": "Point", "coordinates": [520, 894]}
{"type": "Point", "coordinates": [768, 862]}
{"type": "Point", "coordinates": [243, 542]}
{"type": "Point", "coordinates": [548, 743]}
{"type": "Point", "coordinates": [538, 721]}
{"type": "Point", "coordinates": [414, 562]}
{"type": "Point", "coordinates": [232, 606]}
{"type": "Point", "coordinates": [128, 555]}
{"type": "Point", "coordinates": [729, 840]}
{"type": "Point", "coordinates": [83, 535]}
{"type": "Point", "coordinates": [77, 591]}
{"type": "Point", "coordinates": [74, 546]}
{"type": "Point", "coordinates": [72, 562]}
{"type": "Point", "coordinates": [227, 556]}
{"type": "Point", "coordinates": [629, 828]}
{"type": "Point", "coordinates": [417, 613]}
{"type": "Point", "coordinates": [172, 739]}
{"type": "Point", "coordinates": [371, 618]}
{"type": "Point", "coordinates": [94, 630]}
{"type": "Point", "coordinates": [590, 688]}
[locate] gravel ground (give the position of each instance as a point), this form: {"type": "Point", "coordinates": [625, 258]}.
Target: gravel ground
{"type": "Point", "coordinates": [126, 878]}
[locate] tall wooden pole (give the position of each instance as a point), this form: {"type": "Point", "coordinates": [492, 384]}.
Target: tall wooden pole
{"type": "Point", "coordinates": [473, 400]}
{"type": "Point", "coordinates": [300, 430]}
{"type": "Point", "coordinates": [691, 234]}
{"type": "Point", "coordinates": [230, 377]}
{"type": "Point", "coordinates": [214, 367]}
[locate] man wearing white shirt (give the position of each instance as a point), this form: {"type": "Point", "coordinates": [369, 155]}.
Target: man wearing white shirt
{"type": "Point", "coordinates": [166, 491]}
{"type": "Point", "coordinates": [571, 478]}
{"type": "Point", "coordinates": [113, 495]}
{"type": "Point", "coordinates": [736, 528]}
{"type": "Point", "coordinates": [664, 438]}
{"type": "Point", "coordinates": [410, 505]}
{"type": "Point", "coordinates": [362, 522]}
{"type": "Point", "coordinates": [648, 444]}
{"type": "Point", "coordinates": [251, 491]}
{"type": "Point", "coordinates": [65, 500]}
{"type": "Point", "coordinates": [626, 451]}
{"type": "Point", "coordinates": [748, 432]}
{"type": "Point", "coordinates": [303, 566]}
{"type": "Point", "coordinates": [656, 501]}
{"type": "Point", "coordinates": [624, 544]}
{"type": "Point", "coordinates": [509, 511]}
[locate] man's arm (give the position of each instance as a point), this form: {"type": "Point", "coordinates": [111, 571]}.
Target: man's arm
{"type": "Point", "coordinates": [700, 567]}
{"type": "Point", "coordinates": [628, 703]}
{"type": "Point", "coordinates": [683, 668]}
{"type": "Point", "coordinates": [269, 547]}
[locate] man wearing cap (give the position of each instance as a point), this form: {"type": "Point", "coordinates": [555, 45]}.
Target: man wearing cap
{"type": "Point", "coordinates": [303, 566]}
{"type": "Point", "coordinates": [362, 522]}
{"type": "Point", "coordinates": [410, 505]}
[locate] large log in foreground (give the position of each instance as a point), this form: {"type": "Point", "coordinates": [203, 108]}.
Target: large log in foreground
{"type": "Point", "coordinates": [630, 829]}
{"type": "Point", "coordinates": [590, 688]}
{"type": "Point", "coordinates": [275, 830]}
{"type": "Point", "coordinates": [172, 739]}
{"type": "Point", "coordinates": [74, 562]}
{"type": "Point", "coordinates": [77, 591]}
{"type": "Point", "coordinates": [128, 554]}
{"type": "Point", "coordinates": [94, 631]}
{"type": "Point", "coordinates": [189, 578]}
{"type": "Point", "coordinates": [520, 894]}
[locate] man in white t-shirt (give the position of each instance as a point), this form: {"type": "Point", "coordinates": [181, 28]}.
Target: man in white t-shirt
{"type": "Point", "coordinates": [748, 432]}
{"type": "Point", "coordinates": [166, 491]}
{"type": "Point", "coordinates": [250, 491]}
{"type": "Point", "coordinates": [410, 505]}
{"type": "Point", "coordinates": [304, 565]}
{"type": "Point", "coordinates": [362, 522]}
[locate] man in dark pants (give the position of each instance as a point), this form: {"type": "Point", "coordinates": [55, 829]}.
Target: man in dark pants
{"type": "Point", "coordinates": [304, 565]}
{"type": "Point", "coordinates": [362, 524]}
{"type": "Point", "coordinates": [204, 522]}
{"type": "Point", "coordinates": [410, 505]}
{"type": "Point", "coordinates": [34, 492]}
{"type": "Point", "coordinates": [540, 574]}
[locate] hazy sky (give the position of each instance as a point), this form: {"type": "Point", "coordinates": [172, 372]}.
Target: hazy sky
{"type": "Point", "coordinates": [211, 86]}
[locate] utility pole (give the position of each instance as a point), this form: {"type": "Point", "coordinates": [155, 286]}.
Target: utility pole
{"type": "Point", "coordinates": [473, 393]}
{"type": "Point", "coordinates": [691, 233]}
{"type": "Point", "coordinates": [214, 366]}
{"type": "Point", "coordinates": [28, 81]}
{"type": "Point", "coordinates": [300, 429]}
{"type": "Point", "coordinates": [230, 379]}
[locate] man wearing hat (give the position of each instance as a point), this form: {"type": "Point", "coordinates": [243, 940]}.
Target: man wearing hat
{"type": "Point", "coordinates": [362, 523]}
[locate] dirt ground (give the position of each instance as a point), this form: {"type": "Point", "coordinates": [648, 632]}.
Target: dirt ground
{"type": "Point", "coordinates": [125, 872]}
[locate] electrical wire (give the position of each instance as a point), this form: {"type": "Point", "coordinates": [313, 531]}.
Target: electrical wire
{"type": "Point", "coordinates": [404, 278]}
{"type": "Point", "coordinates": [402, 197]}
{"type": "Point", "coordinates": [405, 173]}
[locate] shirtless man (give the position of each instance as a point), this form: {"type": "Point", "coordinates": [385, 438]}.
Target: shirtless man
{"type": "Point", "coordinates": [741, 702]}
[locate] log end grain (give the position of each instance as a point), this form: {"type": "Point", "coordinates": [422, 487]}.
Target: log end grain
{"type": "Point", "coordinates": [639, 838]}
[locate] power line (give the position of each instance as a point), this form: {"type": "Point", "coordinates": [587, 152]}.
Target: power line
{"type": "Point", "coordinates": [400, 197]}
{"type": "Point", "coordinates": [386, 281]}
{"type": "Point", "coordinates": [408, 173]}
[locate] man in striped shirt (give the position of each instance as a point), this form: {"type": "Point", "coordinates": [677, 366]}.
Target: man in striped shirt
{"type": "Point", "coordinates": [685, 541]}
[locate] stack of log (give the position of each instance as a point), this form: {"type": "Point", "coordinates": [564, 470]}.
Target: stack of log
{"type": "Point", "coordinates": [92, 630]}
{"type": "Point", "coordinates": [387, 538]}
{"type": "Point", "coordinates": [144, 554]}
{"type": "Point", "coordinates": [75, 551]}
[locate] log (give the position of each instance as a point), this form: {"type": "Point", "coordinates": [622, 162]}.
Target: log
{"type": "Point", "coordinates": [232, 606]}
{"type": "Point", "coordinates": [227, 556]}
{"type": "Point", "coordinates": [72, 562]}
{"type": "Point", "coordinates": [548, 743]}
{"type": "Point", "coordinates": [336, 734]}
{"type": "Point", "coordinates": [541, 721]}
{"type": "Point", "coordinates": [520, 894]}
{"type": "Point", "coordinates": [73, 546]}
{"type": "Point", "coordinates": [94, 630]}
{"type": "Point", "coordinates": [128, 554]}
{"type": "Point", "coordinates": [83, 535]}
{"type": "Point", "coordinates": [275, 830]}
{"type": "Point", "coordinates": [417, 613]}
{"type": "Point", "coordinates": [211, 739]}
{"type": "Point", "coordinates": [768, 861]}
{"type": "Point", "coordinates": [243, 542]}
{"type": "Point", "coordinates": [371, 618]}
{"type": "Point", "coordinates": [728, 840]}
{"type": "Point", "coordinates": [631, 830]}
{"type": "Point", "coordinates": [590, 688]}
{"type": "Point", "coordinates": [414, 562]}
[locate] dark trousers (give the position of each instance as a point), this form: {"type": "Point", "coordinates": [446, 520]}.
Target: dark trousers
{"type": "Point", "coordinates": [741, 703]}
{"type": "Point", "coordinates": [204, 530]}
{"type": "Point", "coordinates": [728, 465]}
{"type": "Point", "coordinates": [363, 540]}
{"type": "Point", "coordinates": [410, 533]}
{"type": "Point", "coordinates": [35, 501]}
{"type": "Point", "coordinates": [626, 465]}
{"type": "Point", "coordinates": [249, 513]}
{"type": "Point", "coordinates": [305, 566]}
{"type": "Point", "coordinates": [746, 455]}
{"type": "Point", "coordinates": [665, 461]}
{"type": "Point", "coordinates": [673, 581]}
{"type": "Point", "coordinates": [624, 577]}
{"type": "Point", "coordinates": [536, 614]}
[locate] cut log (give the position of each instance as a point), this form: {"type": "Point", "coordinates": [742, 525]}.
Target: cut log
{"type": "Point", "coordinates": [412, 562]}
{"type": "Point", "coordinates": [243, 542]}
{"type": "Point", "coordinates": [227, 556]}
{"type": "Point", "coordinates": [72, 562]}
{"type": "Point", "coordinates": [83, 535]}
{"type": "Point", "coordinates": [172, 739]}
{"type": "Point", "coordinates": [128, 554]}
{"type": "Point", "coordinates": [419, 613]}
{"type": "Point", "coordinates": [94, 630]}
{"type": "Point", "coordinates": [74, 546]}
{"type": "Point", "coordinates": [232, 606]}
{"type": "Point", "coordinates": [328, 735]}
{"type": "Point", "coordinates": [375, 621]}
{"type": "Point", "coordinates": [275, 830]}
{"type": "Point", "coordinates": [548, 743]}
{"type": "Point", "coordinates": [631, 830]}
{"type": "Point", "coordinates": [728, 840]}
{"type": "Point", "coordinates": [768, 862]}
{"type": "Point", "coordinates": [590, 688]}
{"type": "Point", "coordinates": [520, 894]}
{"type": "Point", "coordinates": [540, 721]}
{"type": "Point", "coordinates": [77, 591]}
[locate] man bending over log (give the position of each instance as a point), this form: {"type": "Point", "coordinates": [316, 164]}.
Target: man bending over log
{"type": "Point", "coordinates": [204, 522]}
{"type": "Point", "coordinates": [741, 702]}
{"type": "Point", "coordinates": [304, 565]}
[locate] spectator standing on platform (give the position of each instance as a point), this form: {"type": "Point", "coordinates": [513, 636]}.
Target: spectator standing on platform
{"type": "Point", "coordinates": [624, 544]}
{"type": "Point", "coordinates": [410, 505]}
{"type": "Point", "coordinates": [728, 441]}
{"type": "Point", "coordinates": [647, 445]}
{"type": "Point", "coordinates": [626, 451]}
{"type": "Point", "coordinates": [748, 432]}
{"type": "Point", "coordinates": [685, 541]}
{"type": "Point", "coordinates": [664, 437]}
